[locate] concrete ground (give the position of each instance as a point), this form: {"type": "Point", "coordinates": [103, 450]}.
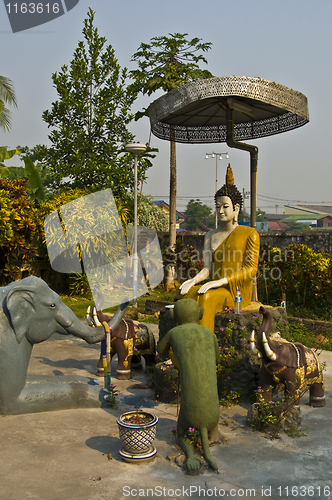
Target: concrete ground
{"type": "Point", "coordinates": [73, 454]}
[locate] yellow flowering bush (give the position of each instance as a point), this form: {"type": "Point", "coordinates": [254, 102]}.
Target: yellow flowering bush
{"type": "Point", "coordinates": [20, 229]}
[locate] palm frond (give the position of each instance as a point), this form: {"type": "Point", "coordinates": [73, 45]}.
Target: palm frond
{"type": "Point", "coordinates": [7, 92]}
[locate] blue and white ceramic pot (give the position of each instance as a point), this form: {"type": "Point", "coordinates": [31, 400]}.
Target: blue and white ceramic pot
{"type": "Point", "coordinates": [137, 431]}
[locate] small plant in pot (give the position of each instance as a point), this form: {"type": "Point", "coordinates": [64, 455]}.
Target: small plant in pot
{"type": "Point", "coordinates": [137, 430]}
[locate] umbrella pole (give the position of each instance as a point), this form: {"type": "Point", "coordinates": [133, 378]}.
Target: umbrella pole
{"type": "Point", "coordinates": [253, 185]}
{"type": "Point", "coordinates": [253, 150]}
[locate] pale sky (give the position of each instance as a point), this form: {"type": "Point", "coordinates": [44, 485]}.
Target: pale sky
{"type": "Point", "coordinates": [286, 41]}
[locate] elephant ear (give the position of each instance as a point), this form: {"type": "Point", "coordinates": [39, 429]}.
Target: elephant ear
{"type": "Point", "coordinates": [21, 308]}
{"type": "Point", "coordinates": [286, 354]}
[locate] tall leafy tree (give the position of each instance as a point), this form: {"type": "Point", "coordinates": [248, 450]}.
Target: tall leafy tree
{"type": "Point", "coordinates": [166, 63]}
{"type": "Point", "coordinates": [89, 120]}
{"type": "Point", "coordinates": [197, 212]}
{"type": "Point", "coordinates": [149, 214]}
{"type": "Point", "coordinates": [7, 96]}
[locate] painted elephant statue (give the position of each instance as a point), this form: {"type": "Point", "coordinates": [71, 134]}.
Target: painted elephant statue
{"type": "Point", "coordinates": [291, 364]}
{"type": "Point", "coordinates": [129, 341]}
{"type": "Point", "coordinates": [30, 313]}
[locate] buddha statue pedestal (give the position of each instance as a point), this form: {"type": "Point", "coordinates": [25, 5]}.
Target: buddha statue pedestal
{"type": "Point", "coordinates": [166, 379]}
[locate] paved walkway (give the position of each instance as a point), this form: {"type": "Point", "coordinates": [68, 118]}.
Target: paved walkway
{"type": "Point", "coordinates": [64, 455]}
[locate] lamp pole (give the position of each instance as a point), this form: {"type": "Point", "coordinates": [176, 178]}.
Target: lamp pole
{"type": "Point", "coordinates": [216, 156]}
{"type": "Point", "coordinates": [135, 148]}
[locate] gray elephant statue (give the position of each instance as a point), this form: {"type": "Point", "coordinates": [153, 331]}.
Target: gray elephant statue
{"type": "Point", "coordinates": [291, 364]}
{"type": "Point", "coordinates": [31, 312]}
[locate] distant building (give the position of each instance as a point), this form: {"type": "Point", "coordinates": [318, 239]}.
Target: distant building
{"type": "Point", "coordinates": [307, 209]}
{"type": "Point", "coordinates": [314, 215]}
{"type": "Point", "coordinates": [282, 222]}
{"type": "Point", "coordinates": [202, 228]}
{"type": "Point", "coordinates": [165, 207]}
{"type": "Point", "coordinates": [325, 221]}
{"type": "Point", "coordinates": [275, 222]}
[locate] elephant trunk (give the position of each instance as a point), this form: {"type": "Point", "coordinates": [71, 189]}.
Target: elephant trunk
{"type": "Point", "coordinates": [94, 335]}
{"type": "Point", "coordinates": [90, 335]}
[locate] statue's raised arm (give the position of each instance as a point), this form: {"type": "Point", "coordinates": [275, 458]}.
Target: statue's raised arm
{"type": "Point", "coordinates": [230, 258]}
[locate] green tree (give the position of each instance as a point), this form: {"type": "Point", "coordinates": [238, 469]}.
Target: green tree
{"type": "Point", "coordinates": [260, 215]}
{"type": "Point", "coordinates": [297, 226]}
{"type": "Point", "coordinates": [149, 214]}
{"type": "Point", "coordinates": [66, 195]}
{"type": "Point", "coordinates": [7, 96]}
{"type": "Point", "coordinates": [166, 63]}
{"type": "Point", "coordinates": [89, 121]}
{"type": "Point", "coordinates": [197, 212]}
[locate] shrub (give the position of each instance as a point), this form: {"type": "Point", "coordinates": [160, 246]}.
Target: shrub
{"type": "Point", "coordinates": [20, 229]}
{"type": "Point", "coordinates": [303, 274]}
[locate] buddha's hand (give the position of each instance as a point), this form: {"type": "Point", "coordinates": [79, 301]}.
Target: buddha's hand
{"type": "Point", "coordinates": [185, 287]}
{"type": "Point", "coordinates": [212, 284]}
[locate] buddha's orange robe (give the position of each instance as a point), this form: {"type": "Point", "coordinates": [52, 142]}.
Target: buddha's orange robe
{"type": "Point", "coordinates": [236, 259]}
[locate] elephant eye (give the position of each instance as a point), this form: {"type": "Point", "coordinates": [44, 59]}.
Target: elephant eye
{"type": "Point", "coordinates": [52, 306]}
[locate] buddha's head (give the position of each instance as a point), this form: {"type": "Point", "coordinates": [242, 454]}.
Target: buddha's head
{"type": "Point", "coordinates": [228, 200]}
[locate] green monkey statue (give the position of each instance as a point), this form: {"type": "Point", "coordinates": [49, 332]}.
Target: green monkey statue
{"type": "Point", "coordinates": [196, 350]}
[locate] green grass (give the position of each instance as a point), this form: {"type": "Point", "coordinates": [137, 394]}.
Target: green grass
{"type": "Point", "coordinates": [78, 304]}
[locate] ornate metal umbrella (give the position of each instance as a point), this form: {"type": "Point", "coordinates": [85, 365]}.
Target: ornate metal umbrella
{"type": "Point", "coordinates": [229, 109]}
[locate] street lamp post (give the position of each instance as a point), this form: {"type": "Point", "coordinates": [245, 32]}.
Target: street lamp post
{"type": "Point", "coordinates": [135, 148]}
{"type": "Point", "coordinates": [216, 156]}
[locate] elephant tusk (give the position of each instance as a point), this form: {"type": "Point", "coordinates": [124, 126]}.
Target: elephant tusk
{"type": "Point", "coordinates": [88, 317]}
{"type": "Point", "coordinates": [252, 343]}
{"type": "Point", "coordinates": [268, 351]}
{"type": "Point", "coordinates": [95, 317]}
{"type": "Point", "coordinates": [253, 347]}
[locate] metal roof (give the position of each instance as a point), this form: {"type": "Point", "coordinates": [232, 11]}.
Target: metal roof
{"type": "Point", "coordinates": [320, 209]}
{"type": "Point", "coordinates": [197, 110]}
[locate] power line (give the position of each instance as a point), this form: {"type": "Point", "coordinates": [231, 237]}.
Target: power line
{"type": "Point", "coordinates": [183, 197]}
{"type": "Point", "coordinates": [263, 197]}
{"type": "Point", "coordinates": [305, 202]}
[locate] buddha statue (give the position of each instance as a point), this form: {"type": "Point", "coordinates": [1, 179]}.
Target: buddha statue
{"type": "Point", "coordinates": [230, 258]}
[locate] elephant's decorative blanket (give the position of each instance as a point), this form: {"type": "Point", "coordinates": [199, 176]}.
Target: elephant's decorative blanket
{"type": "Point", "coordinates": [312, 362]}
{"type": "Point", "coordinates": [144, 338]}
